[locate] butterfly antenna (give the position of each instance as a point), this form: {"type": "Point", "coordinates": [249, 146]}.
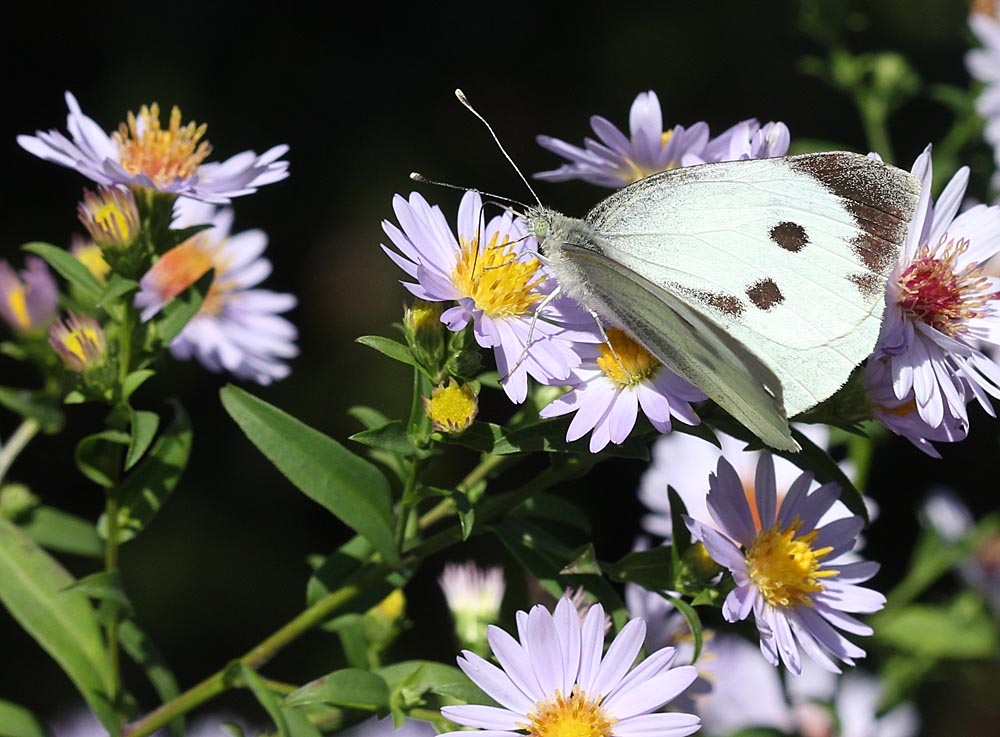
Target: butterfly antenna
{"type": "Point", "coordinates": [465, 101]}
{"type": "Point", "coordinates": [418, 177]}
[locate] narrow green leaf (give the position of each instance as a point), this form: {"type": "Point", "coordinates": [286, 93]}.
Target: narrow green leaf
{"type": "Point", "coordinates": [585, 563]}
{"type": "Point", "coordinates": [134, 380]}
{"type": "Point", "coordinates": [554, 508]}
{"type": "Point", "coordinates": [962, 630]}
{"type": "Point", "coordinates": [63, 622]}
{"type": "Point", "coordinates": [264, 696]}
{"type": "Point", "coordinates": [106, 587]}
{"type": "Point", "coordinates": [390, 437]}
{"type": "Point", "coordinates": [324, 470]}
{"type": "Point", "coordinates": [179, 311]}
{"type": "Point", "coordinates": [144, 425]}
{"type": "Point", "coordinates": [680, 536]}
{"type": "Point", "coordinates": [299, 724]}
{"type": "Point", "coordinates": [61, 531]}
{"type": "Point", "coordinates": [116, 288]}
{"type": "Point", "coordinates": [368, 416]}
{"type": "Point", "coordinates": [652, 569]}
{"type": "Point", "coordinates": [350, 628]}
{"type": "Point", "coordinates": [463, 507]}
{"type": "Point", "coordinates": [350, 687]}
{"type": "Point", "coordinates": [548, 436]}
{"type": "Point", "coordinates": [147, 656]}
{"type": "Point", "coordinates": [149, 485]}
{"type": "Point", "coordinates": [33, 405]}
{"type": "Point", "coordinates": [692, 619]}
{"type": "Point", "coordinates": [390, 348]}
{"type": "Point", "coordinates": [16, 721]}
{"type": "Point", "coordinates": [69, 267]}
{"type": "Point", "coordinates": [94, 459]}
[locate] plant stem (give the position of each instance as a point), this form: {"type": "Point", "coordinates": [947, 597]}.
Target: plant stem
{"type": "Point", "coordinates": [111, 566]}
{"type": "Point", "coordinates": [16, 443]}
{"type": "Point", "coordinates": [873, 119]}
{"type": "Point", "coordinates": [442, 509]}
{"type": "Point", "coordinates": [326, 606]}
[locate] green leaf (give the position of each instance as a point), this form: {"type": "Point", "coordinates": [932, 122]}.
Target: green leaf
{"type": "Point", "coordinates": [391, 438]}
{"type": "Point", "coordinates": [680, 536]}
{"type": "Point", "coordinates": [95, 460]}
{"type": "Point", "coordinates": [63, 622]}
{"type": "Point", "coordinates": [390, 348]}
{"type": "Point", "coordinates": [350, 687]}
{"type": "Point", "coordinates": [411, 681]}
{"type": "Point", "coordinates": [143, 425]}
{"type": "Point", "coordinates": [69, 267]}
{"type": "Point", "coordinates": [134, 380]}
{"type": "Point", "coordinates": [962, 630]}
{"type": "Point", "coordinates": [463, 507]}
{"type": "Point", "coordinates": [16, 721]}
{"type": "Point", "coordinates": [552, 508]}
{"type": "Point", "coordinates": [692, 619]}
{"type": "Point", "coordinates": [149, 485]}
{"type": "Point", "coordinates": [61, 531]}
{"type": "Point", "coordinates": [652, 569]}
{"type": "Point", "coordinates": [106, 587]}
{"type": "Point", "coordinates": [179, 311]}
{"type": "Point", "coordinates": [350, 628]}
{"type": "Point", "coordinates": [368, 416]}
{"type": "Point", "coordinates": [264, 696]}
{"type": "Point", "coordinates": [147, 656]}
{"type": "Point", "coordinates": [33, 405]}
{"type": "Point", "coordinates": [116, 288]}
{"type": "Point", "coordinates": [348, 486]}
{"type": "Point", "coordinates": [548, 436]}
{"type": "Point", "coordinates": [584, 563]}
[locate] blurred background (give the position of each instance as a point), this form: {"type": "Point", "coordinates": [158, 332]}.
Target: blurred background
{"type": "Point", "coordinates": [364, 96]}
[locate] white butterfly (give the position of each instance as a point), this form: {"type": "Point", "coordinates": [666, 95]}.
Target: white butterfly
{"type": "Point", "coordinates": [761, 281]}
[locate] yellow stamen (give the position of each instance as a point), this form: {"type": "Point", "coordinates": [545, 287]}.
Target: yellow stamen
{"type": "Point", "coordinates": [17, 298]}
{"type": "Point", "coordinates": [162, 155]}
{"type": "Point", "coordinates": [452, 408]}
{"type": "Point", "coordinates": [90, 256]}
{"type": "Point", "coordinates": [576, 716]}
{"type": "Point", "coordinates": [496, 280]}
{"type": "Point", "coordinates": [78, 341]}
{"type": "Point", "coordinates": [632, 364]}
{"type": "Point", "coordinates": [785, 568]}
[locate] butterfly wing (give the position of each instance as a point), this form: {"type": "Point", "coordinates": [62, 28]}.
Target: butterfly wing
{"type": "Point", "coordinates": [789, 256]}
{"type": "Point", "coordinates": [688, 342]}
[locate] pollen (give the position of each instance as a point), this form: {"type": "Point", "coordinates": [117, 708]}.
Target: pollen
{"type": "Point", "coordinates": [576, 716]}
{"type": "Point", "coordinates": [624, 361]}
{"type": "Point", "coordinates": [164, 155]}
{"type": "Point", "coordinates": [935, 291]}
{"type": "Point", "coordinates": [496, 279]}
{"type": "Point", "coordinates": [17, 298]}
{"type": "Point", "coordinates": [451, 408]}
{"type": "Point", "coordinates": [787, 569]}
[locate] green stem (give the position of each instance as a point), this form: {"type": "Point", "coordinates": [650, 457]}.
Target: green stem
{"type": "Point", "coordinates": [873, 119]}
{"type": "Point", "coordinates": [319, 612]}
{"type": "Point", "coordinates": [486, 466]}
{"type": "Point", "coordinates": [111, 566]}
{"type": "Point", "coordinates": [16, 443]}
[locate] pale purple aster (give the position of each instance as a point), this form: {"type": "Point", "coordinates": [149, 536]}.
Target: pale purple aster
{"type": "Point", "coordinates": [901, 415]}
{"type": "Point", "coordinates": [684, 462]}
{"type": "Point", "coordinates": [239, 328]}
{"type": "Point", "coordinates": [745, 140]}
{"type": "Point", "coordinates": [376, 726]}
{"type": "Point", "coordinates": [474, 597]}
{"type": "Point", "coordinates": [141, 154]}
{"type": "Point", "coordinates": [29, 300]}
{"type": "Point", "coordinates": [984, 65]}
{"type": "Point", "coordinates": [81, 722]}
{"type": "Point", "coordinates": [941, 306]}
{"type": "Point", "coordinates": [491, 270]}
{"type": "Point", "coordinates": [951, 519]}
{"type": "Point", "coordinates": [610, 386]}
{"type": "Point", "coordinates": [787, 567]}
{"type": "Point", "coordinates": [616, 159]}
{"type": "Point", "coordinates": [555, 679]}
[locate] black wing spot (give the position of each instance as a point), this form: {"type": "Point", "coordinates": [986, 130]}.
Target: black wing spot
{"type": "Point", "coordinates": [765, 294]}
{"type": "Point", "coordinates": [790, 236]}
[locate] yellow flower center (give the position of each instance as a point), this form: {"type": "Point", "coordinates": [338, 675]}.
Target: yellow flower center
{"type": "Point", "coordinates": [786, 569]}
{"type": "Point", "coordinates": [17, 298]}
{"type": "Point", "coordinates": [82, 343]}
{"type": "Point", "coordinates": [162, 155]}
{"type": "Point", "coordinates": [637, 172]}
{"type": "Point", "coordinates": [90, 256]}
{"type": "Point", "coordinates": [393, 606]}
{"type": "Point", "coordinates": [624, 361]}
{"type": "Point", "coordinates": [452, 408]}
{"type": "Point", "coordinates": [935, 291]}
{"type": "Point", "coordinates": [495, 279]}
{"type": "Point", "coordinates": [576, 716]}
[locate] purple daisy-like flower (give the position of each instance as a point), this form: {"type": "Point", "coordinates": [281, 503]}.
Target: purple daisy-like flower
{"type": "Point", "coordinates": [554, 681]}
{"type": "Point", "coordinates": [613, 382]}
{"type": "Point", "coordinates": [238, 328]}
{"type": "Point", "coordinates": [141, 153]}
{"type": "Point", "coordinates": [617, 160]}
{"type": "Point", "coordinates": [788, 568]}
{"type": "Point", "coordinates": [901, 415]}
{"type": "Point", "coordinates": [491, 270]}
{"type": "Point", "coordinates": [984, 64]}
{"type": "Point", "coordinates": [28, 301]}
{"type": "Point", "coordinates": [941, 306]}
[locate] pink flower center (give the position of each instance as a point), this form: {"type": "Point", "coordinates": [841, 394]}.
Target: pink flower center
{"type": "Point", "coordinates": [935, 290]}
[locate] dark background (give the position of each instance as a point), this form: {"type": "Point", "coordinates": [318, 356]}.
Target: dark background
{"type": "Point", "coordinates": [364, 96]}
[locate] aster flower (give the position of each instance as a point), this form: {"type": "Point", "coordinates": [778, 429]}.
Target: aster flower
{"type": "Point", "coordinates": [984, 65]}
{"type": "Point", "coordinates": [79, 341]}
{"type": "Point", "coordinates": [787, 568]}
{"type": "Point", "coordinates": [110, 216]}
{"type": "Point", "coordinates": [385, 727]}
{"type": "Point", "coordinates": [491, 270]}
{"type": "Point", "coordinates": [617, 160]}
{"type": "Point", "coordinates": [940, 305]}
{"type": "Point", "coordinates": [238, 328]}
{"type": "Point", "coordinates": [28, 301]}
{"type": "Point", "coordinates": [90, 255]}
{"type": "Point", "coordinates": [452, 407]}
{"type": "Point", "coordinates": [143, 154]}
{"type": "Point", "coordinates": [556, 682]}
{"type": "Point", "coordinates": [901, 415]}
{"type": "Point", "coordinates": [474, 596]}
{"type": "Point", "coordinates": [613, 382]}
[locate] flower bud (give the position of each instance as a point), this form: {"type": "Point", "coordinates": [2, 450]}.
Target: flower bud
{"type": "Point", "coordinates": [451, 408]}
{"type": "Point", "coordinates": [474, 597]}
{"type": "Point", "coordinates": [79, 341]}
{"type": "Point", "coordinates": [28, 302]}
{"type": "Point", "coordinates": [110, 216]}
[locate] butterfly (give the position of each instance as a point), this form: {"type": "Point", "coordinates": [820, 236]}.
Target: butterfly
{"type": "Point", "coordinates": [759, 281]}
